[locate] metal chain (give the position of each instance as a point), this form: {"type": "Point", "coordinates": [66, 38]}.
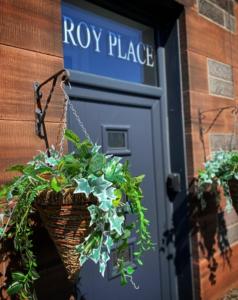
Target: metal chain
{"type": "Point", "coordinates": [61, 144]}
{"type": "Point", "coordinates": [75, 113]}
{"type": "Point", "coordinates": [79, 121]}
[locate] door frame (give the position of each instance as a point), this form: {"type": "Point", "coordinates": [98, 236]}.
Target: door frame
{"type": "Point", "coordinates": [174, 133]}
{"type": "Point", "coordinates": [94, 88]}
{"type": "Point", "coordinates": [97, 89]}
{"type": "Point", "coordinates": [170, 121]}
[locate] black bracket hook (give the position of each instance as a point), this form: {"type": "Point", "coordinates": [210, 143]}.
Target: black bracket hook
{"type": "Point", "coordinates": [40, 112]}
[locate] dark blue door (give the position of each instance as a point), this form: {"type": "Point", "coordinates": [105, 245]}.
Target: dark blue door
{"type": "Point", "coordinates": [126, 120]}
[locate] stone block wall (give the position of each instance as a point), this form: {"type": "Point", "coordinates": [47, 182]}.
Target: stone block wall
{"type": "Point", "coordinates": [30, 50]}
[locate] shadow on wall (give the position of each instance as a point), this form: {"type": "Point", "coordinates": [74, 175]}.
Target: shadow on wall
{"type": "Point", "coordinates": [208, 228]}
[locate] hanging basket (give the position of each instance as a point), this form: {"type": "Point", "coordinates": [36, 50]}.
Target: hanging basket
{"type": "Point", "coordinates": [66, 217]}
{"type": "Point", "coordinates": [233, 188]}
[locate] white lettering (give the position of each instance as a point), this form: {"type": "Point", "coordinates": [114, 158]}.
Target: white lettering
{"type": "Point", "coordinates": [79, 32]}
{"type": "Point", "coordinates": [112, 42]}
{"type": "Point", "coordinates": [97, 36]}
{"type": "Point", "coordinates": [139, 51]}
{"type": "Point", "coordinates": [131, 51]}
{"type": "Point", "coordinates": [68, 31]}
{"type": "Point", "coordinates": [85, 34]}
{"type": "Point", "coordinates": [149, 56]}
{"type": "Point", "coordinates": [119, 48]}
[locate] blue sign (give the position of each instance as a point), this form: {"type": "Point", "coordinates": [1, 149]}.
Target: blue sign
{"type": "Point", "coordinates": [101, 42]}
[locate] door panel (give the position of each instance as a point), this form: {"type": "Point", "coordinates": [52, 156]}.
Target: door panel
{"type": "Point", "coordinates": [134, 124]}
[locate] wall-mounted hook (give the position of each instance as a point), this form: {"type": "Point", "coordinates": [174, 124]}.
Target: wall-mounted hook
{"type": "Point", "coordinates": [40, 112]}
{"type": "Point", "coordinates": [201, 116]}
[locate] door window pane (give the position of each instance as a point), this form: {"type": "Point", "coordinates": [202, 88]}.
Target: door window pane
{"type": "Point", "coordinates": [101, 42]}
{"type": "Point", "coordinates": [116, 139]}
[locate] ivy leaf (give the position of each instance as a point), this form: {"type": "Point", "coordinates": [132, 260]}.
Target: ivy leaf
{"type": "Point", "coordinates": [106, 198]}
{"type": "Point", "coordinates": [84, 149]}
{"type": "Point", "coordinates": [93, 213]}
{"type": "Point", "coordinates": [14, 288]}
{"type": "Point", "coordinates": [35, 275]}
{"type": "Point", "coordinates": [9, 195]}
{"type": "Point", "coordinates": [72, 137]}
{"type": "Point", "coordinates": [118, 196]}
{"type": "Point", "coordinates": [1, 231]}
{"type": "Point", "coordinates": [111, 193]}
{"type": "Point", "coordinates": [116, 223]}
{"type": "Point", "coordinates": [95, 255]}
{"type": "Point", "coordinates": [82, 259]}
{"type": "Point", "coordinates": [130, 270]}
{"type": "Point", "coordinates": [17, 168]}
{"type": "Point", "coordinates": [99, 184]}
{"type": "Point", "coordinates": [55, 185]}
{"type": "Point", "coordinates": [139, 179]}
{"type": "Point", "coordinates": [102, 268]}
{"type": "Point", "coordinates": [97, 163]}
{"type": "Point", "coordinates": [105, 257]}
{"type": "Point", "coordinates": [82, 186]}
{"type": "Point", "coordinates": [108, 243]}
{"type": "Point", "coordinates": [41, 187]}
{"type": "Point", "coordinates": [123, 280]}
{"type": "Point", "coordinates": [51, 161]}
{"type": "Point", "coordinates": [113, 170]}
{"type": "Point", "coordinates": [105, 202]}
{"type": "Point", "coordinates": [140, 262]}
{"type": "Point", "coordinates": [3, 191]}
{"type": "Point", "coordinates": [126, 234]}
{"type": "Point", "coordinates": [18, 276]}
{"type": "Point", "coordinates": [96, 148]}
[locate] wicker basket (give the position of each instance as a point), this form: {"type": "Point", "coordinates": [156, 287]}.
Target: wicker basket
{"type": "Point", "coordinates": [66, 217]}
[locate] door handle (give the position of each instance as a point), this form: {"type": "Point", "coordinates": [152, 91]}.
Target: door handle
{"type": "Point", "coordinates": [174, 183]}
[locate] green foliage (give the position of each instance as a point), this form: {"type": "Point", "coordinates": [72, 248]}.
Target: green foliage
{"type": "Point", "coordinates": [218, 171]}
{"type": "Point", "coordinates": [89, 172]}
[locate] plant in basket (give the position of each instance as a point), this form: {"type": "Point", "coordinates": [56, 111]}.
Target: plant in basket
{"type": "Point", "coordinates": [82, 198]}
{"type": "Point", "coordinates": [221, 171]}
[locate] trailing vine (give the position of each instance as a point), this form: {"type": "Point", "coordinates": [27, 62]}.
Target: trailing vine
{"type": "Point", "coordinates": [90, 172]}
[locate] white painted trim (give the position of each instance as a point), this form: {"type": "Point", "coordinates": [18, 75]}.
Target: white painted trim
{"type": "Point", "coordinates": [218, 78]}
{"type": "Point", "coordinates": [220, 62]}
{"type": "Point", "coordinates": [218, 96]}
{"type": "Point", "coordinates": [229, 134]}
{"type": "Point", "coordinates": [214, 22]}
{"type": "Point", "coordinates": [221, 79]}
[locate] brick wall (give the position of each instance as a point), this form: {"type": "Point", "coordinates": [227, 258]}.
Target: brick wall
{"type": "Point", "coordinates": [30, 50]}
